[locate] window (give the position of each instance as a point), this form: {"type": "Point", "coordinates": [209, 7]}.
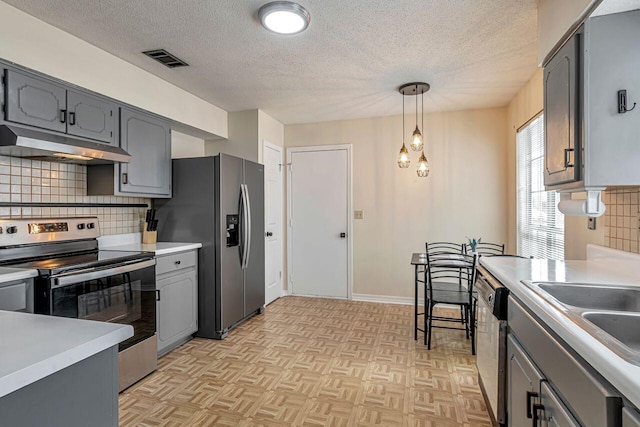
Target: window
{"type": "Point", "coordinates": [540, 224]}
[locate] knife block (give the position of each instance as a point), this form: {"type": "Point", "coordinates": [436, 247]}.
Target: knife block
{"type": "Point", "coordinates": [149, 237]}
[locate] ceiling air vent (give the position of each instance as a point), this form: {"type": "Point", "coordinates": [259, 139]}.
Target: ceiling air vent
{"type": "Point", "coordinates": [165, 58]}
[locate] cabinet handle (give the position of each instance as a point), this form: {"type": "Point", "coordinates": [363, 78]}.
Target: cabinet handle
{"type": "Point", "coordinates": [125, 178]}
{"type": "Point", "coordinates": [72, 118]}
{"type": "Point", "coordinates": [178, 262]}
{"type": "Point", "coordinates": [536, 408]}
{"type": "Point", "coordinates": [157, 294]}
{"type": "Point", "coordinates": [63, 116]}
{"type": "Point", "coordinates": [530, 395]}
{"type": "Point", "coordinates": [567, 156]}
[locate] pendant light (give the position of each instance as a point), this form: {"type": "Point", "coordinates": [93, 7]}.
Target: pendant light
{"type": "Point", "coordinates": [423, 166]}
{"type": "Point", "coordinates": [417, 142]}
{"type": "Point", "coordinates": [403, 157]}
{"type": "Point", "coordinates": [417, 139]}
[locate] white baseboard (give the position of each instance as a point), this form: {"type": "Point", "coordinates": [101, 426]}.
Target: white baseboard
{"type": "Point", "coordinates": [386, 299]}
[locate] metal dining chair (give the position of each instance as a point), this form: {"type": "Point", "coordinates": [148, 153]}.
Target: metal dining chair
{"type": "Point", "coordinates": [486, 249]}
{"type": "Point", "coordinates": [451, 283]}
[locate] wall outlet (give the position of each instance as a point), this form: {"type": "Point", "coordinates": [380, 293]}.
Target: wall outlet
{"type": "Point", "coordinates": [591, 224]}
{"type": "Point", "coordinates": [358, 215]}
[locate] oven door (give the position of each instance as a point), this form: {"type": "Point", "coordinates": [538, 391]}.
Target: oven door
{"type": "Point", "coordinates": [120, 294]}
{"type": "Point", "coordinates": [491, 342]}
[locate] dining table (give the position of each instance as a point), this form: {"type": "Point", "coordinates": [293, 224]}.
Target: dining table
{"type": "Point", "coordinates": [421, 262]}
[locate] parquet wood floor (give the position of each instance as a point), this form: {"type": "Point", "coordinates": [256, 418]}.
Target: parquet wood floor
{"type": "Point", "coordinates": [314, 362]}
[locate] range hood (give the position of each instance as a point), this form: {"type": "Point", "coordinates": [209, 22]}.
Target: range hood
{"type": "Point", "coordinates": [16, 141]}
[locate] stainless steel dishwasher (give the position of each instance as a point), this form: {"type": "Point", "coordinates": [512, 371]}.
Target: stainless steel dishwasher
{"type": "Point", "coordinates": [491, 342]}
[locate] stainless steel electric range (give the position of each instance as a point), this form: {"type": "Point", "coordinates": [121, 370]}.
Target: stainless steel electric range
{"type": "Point", "coordinates": [76, 279]}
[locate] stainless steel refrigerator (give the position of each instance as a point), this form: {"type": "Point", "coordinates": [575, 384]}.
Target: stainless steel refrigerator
{"type": "Point", "coordinates": [219, 201]}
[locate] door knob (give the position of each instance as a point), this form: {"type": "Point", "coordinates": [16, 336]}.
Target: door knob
{"type": "Point", "coordinates": [343, 235]}
{"type": "Point", "coordinates": [269, 234]}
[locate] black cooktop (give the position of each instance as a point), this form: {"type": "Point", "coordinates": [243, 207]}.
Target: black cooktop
{"type": "Point", "coordinates": [67, 263]}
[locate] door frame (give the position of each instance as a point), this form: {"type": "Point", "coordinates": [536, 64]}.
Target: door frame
{"type": "Point", "coordinates": [348, 148]}
{"type": "Point", "coordinates": [280, 149]}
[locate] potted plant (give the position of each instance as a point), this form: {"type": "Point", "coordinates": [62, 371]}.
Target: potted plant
{"type": "Point", "coordinates": [473, 243]}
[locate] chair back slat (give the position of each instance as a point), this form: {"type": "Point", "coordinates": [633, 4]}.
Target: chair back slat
{"type": "Point", "coordinates": [486, 249]}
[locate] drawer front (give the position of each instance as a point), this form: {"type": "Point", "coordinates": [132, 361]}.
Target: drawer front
{"type": "Point", "coordinates": [176, 262]}
{"type": "Point", "coordinates": [13, 297]}
{"type": "Point", "coordinates": [592, 400]}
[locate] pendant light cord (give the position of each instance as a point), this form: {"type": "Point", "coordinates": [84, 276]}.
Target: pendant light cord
{"type": "Point", "coordinates": [422, 97]}
{"type": "Point", "coordinates": [416, 105]}
{"type": "Point", "coordinates": [403, 118]}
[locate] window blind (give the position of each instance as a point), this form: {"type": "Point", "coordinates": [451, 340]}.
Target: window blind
{"type": "Point", "coordinates": [540, 224]}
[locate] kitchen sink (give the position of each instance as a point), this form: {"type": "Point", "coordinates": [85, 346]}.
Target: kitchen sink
{"type": "Point", "coordinates": [624, 327]}
{"type": "Point", "coordinates": [595, 297]}
{"type": "Point", "coordinates": [610, 314]}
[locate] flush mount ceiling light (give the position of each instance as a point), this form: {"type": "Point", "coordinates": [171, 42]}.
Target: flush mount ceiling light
{"type": "Point", "coordinates": [284, 17]}
{"type": "Point", "coordinates": [417, 140]}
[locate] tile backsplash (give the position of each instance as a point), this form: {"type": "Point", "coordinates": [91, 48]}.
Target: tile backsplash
{"type": "Point", "coordinates": [24, 180]}
{"type": "Point", "coordinates": [621, 219]}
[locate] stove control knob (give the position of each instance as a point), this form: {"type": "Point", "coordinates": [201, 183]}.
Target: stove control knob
{"type": "Point", "coordinates": [91, 225]}
{"type": "Point", "coordinates": [12, 230]}
{"type": "Point", "coordinates": [80, 226]}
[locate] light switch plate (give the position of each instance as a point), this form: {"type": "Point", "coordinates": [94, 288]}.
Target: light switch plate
{"type": "Point", "coordinates": [591, 224]}
{"type": "Point", "coordinates": [358, 215]}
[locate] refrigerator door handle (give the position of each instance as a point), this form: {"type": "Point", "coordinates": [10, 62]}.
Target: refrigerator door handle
{"type": "Point", "coordinates": [244, 228]}
{"type": "Point", "coordinates": [248, 248]}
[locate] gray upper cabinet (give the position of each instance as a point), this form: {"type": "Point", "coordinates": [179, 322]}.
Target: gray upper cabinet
{"type": "Point", "coordinates": [91, 117]}
{"type": "Point", "coordinates": [148, 139]}
{"type": "Point", "coordinates": [561, 115]}
{"type": "Point", "coordinates": [35, 102]}
{"type": "Point", "coordinates": [589, 143]}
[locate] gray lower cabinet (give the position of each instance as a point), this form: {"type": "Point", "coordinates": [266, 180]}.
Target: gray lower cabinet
{"type": "Point", "coordinates": [530, 399]}
{"type": "Point", "coordinates": [177, 305]}
{"type": "Point", "coordinates": [35, 102]}
{"type": "Point", "coordinates": [523, 380]}
{"type": "Point", "coordinates": [536, 355]}
{"type": "Point", "coordinates": [91, 117]}
{"type": "Point", "coordinates": [630, 417]}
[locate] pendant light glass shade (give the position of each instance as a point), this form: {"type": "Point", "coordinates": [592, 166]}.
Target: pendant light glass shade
{"type": "Point", "coordinates": [423, 166]}
{"type": "Point", "coordinates": [417, 142]}
{"type": "Point", "coordinates": [403, 157]}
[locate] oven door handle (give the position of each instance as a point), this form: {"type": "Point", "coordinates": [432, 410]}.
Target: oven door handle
{"type": "Point", "coordinates": [99, 274]}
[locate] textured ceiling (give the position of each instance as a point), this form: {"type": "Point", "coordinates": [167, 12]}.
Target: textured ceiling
{"type": "Point", "coordinates": [348, 64]}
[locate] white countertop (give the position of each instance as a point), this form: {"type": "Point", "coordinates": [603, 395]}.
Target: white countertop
{"type": "Point", "coordinates": [34, 346]}
{"type": "Point", "coordinates": [132, 242]}
{"type": "Point", "coordinates": [8, 274]}
{"type": "Point", "coordinates": [623, 375]}
{"type": "Point", "coordinates": [160, 248]}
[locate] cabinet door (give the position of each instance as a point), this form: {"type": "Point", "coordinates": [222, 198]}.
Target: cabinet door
{"type": "Point", "coordinates": [148, 140]}
{"type": "Point", "coordinates": [177, 308]}
{"type": "Point", "coordinates": [562, 117]}
{"type": "Point", "coordinates": [553, 412]}
{"type": "Point", "coordinates": [91, 117]}
{"type": "Point", "coordinates": [523, 379]}
{"type": "Point", "coordinates": [35, 102]}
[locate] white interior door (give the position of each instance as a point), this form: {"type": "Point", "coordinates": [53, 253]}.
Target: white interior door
{"type": "Point", "coordinates": [272, 158]}
{"type": "Point", "coordinates": [319, 226]}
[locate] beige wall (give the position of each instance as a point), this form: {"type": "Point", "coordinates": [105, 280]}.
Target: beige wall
{"type": "Point", "coordinates": [247, 130]}
{"type": "Point", "coordinates": [35, 44]}
{"type": "Point", "coordinates": [183, 145]}
{"type": "Point", "coordinates": [555, 18]}
{"type": "Point", "coordinates": [243, 137]}
{"type": "Point", "coordinates": [465, 194]}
